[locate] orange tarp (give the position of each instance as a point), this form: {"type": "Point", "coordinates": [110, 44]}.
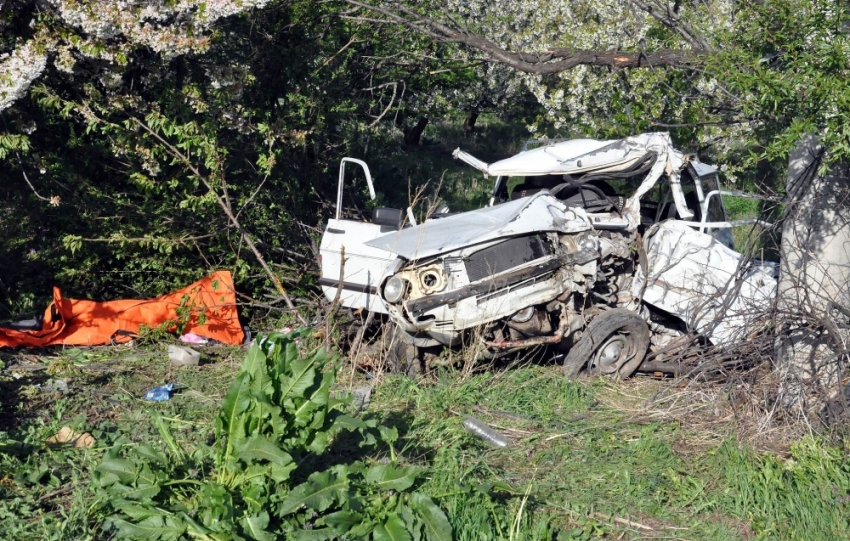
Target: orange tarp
{"type": "Point", "coordinates": [74, 322]}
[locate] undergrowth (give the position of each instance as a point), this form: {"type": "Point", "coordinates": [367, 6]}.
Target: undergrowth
{"type": "Point", "coordinates": [578, 467]}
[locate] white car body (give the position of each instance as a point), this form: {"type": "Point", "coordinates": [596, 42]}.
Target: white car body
{"type": "Point", "coordinates": [536, 269]}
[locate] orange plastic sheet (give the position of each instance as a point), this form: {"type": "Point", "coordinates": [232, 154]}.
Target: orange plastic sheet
{"type": "Point", "coordinates": [72, 322]}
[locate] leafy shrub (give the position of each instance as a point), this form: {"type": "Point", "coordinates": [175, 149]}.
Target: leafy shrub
{"type": "Point", "coordinates": [278, 411]}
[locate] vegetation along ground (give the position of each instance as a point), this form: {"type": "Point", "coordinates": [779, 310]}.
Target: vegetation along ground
{"type": "Point", "coordinates": [587, 460]}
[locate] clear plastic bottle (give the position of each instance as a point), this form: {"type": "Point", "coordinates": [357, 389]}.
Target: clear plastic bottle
{"type": "Point", "coordinates": [485, 432]}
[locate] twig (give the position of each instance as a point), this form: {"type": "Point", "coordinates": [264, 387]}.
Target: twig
{"type": "Point", "coordinates": [59, 492]}
{"type": "Point", "coordinates": [624, 522]}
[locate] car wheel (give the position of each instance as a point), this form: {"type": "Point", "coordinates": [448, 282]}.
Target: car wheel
{"type": "Point", "coordinates": [614, 345]}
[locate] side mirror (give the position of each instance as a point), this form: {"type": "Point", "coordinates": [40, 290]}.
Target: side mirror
{"type": "Point", "coordinates": [388, 217]}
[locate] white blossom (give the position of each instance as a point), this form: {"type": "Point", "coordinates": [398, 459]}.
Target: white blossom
{"type": "Point", "coordinates": [18, 70]}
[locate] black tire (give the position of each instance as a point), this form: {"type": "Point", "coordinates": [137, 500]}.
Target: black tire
{"type": "Point", "coordinates": [614, 344]}
{"type": "Point", "coordinates": [402, 358]}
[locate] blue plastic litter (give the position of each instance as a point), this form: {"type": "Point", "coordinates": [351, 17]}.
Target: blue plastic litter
{"type": "Point", "coordinates": [161, 393]}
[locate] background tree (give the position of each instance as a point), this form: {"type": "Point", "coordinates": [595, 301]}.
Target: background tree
{"type": "Point", "coordinates": [99, 101]}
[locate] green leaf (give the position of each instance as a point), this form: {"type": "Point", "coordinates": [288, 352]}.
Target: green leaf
{"type": "Point", "coordinates": [154, 528]}
{"type": "Point", "coordinates": [437, 527]}
{"type": "Point", "coordinates": [141, 492]}
{"type": "Point", "coordinates": [341, 521]}
{"type": "Point", "coordinates": [319, 492]}
{"type": "Point", "coordinates": [148, 452]}
{"type": "Point", "coordinates": [236, 401]}
{"type": "Point", "coordinates": [117, 469]}
{"type": "Point", "coordinates": [387, 477]}
{"type": "Point", "coordinates": [262, 448]}
{"type": "Point", "coordinates": [255, 526]}
{"type": "Point", "coordinates": [303, 377]}
{"type": "Point", "coordinates": [320, 534]}
{"type": "Point", "coordinates": [388, 434]}
{"type": "Point", "coordinates": [134, 510]}
{"type": "Point", "coordinates": [392, 530]}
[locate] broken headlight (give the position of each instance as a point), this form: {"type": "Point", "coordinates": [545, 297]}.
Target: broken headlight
{"type": "Point", "coordinates": [394, 289]}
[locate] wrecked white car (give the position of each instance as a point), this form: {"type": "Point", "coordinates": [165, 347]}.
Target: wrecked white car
{"type": "Point", "coordinates": [599, 249]}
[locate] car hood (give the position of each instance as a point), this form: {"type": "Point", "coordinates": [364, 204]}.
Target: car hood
{"type": "Point", "coordinates": [537, 213]}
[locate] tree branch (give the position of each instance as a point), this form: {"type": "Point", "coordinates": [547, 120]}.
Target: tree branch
{"type": "Point", "coordinates": [663, 13]}
{"type": "Point", "coordinates": [550, 61]}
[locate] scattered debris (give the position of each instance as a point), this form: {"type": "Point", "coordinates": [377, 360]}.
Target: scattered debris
{"type": "Point", "coordinates": [67, 436]}
{"type": "Point", "coordinates": [362, 397]}
{"type": "Point", "coordinates": [183, 356]}
{"type": "Point", "coordinates": [59, 386]}
{"type": "Point", "coordinates": [161, 393]}
{"type": "Point", "coordinates": [192, 338]}
{"type": "Point", "coordinates": [485, 432]}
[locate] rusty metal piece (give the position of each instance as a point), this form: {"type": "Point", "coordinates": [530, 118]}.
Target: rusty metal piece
{"type": "Point", "coordinates": [527, 342]}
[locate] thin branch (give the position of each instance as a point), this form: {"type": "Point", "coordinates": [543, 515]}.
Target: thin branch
{"type": "Point", "coordinates": [388, 107]}
{"type": "Point", "coordinates": [666, 16]}
{"type": "Point", "coordinates": [54, 201]}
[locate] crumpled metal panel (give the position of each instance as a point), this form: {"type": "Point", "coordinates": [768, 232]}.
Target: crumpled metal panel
{"type": "Point", "coordinates": [537, 213]}
{"type": "Point", "coordinates": [585, 155]}
{"type": "Point", "coordinates": [710, 287]}
{"type": "Point", "coordinates": [554, 158]}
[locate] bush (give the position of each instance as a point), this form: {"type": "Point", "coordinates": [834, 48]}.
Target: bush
{"type": "Point", "coordinates": [244, 485]}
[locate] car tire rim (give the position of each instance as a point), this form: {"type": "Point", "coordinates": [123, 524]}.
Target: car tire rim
{"type": "Point", "coordinates": [611, 355]}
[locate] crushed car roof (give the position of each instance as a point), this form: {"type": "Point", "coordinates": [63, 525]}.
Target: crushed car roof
{"type": "Point", "coordinates": [573, 156]}
{"type": "Point", "coordinates": [590, 155]}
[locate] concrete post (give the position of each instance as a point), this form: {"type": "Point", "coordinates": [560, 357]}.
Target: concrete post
{"type": "Point", "coordinates": [814, 272]}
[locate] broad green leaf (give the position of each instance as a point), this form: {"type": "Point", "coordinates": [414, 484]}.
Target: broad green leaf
{"type": "Point", "coordinates": [392, 530]}
{"type": "Point", "coordinates": [388, 434]}
{"type": "Point", "coordinates": [261, 381]}
{"type": "Point", "coordinates": [387, 477]}
{"type": "Point", "coordinates": [134, 510]}
{"type": "Point", "coordinates": [319, 492]}
{"type": "Point", "coordinates": [146, 476]}
{"type": "Point", "coordinates": [193, 527]}
{"type": "Point", "coordinates": [236, 401]}
{"type": "Point", "coordinates": [413, 524]}
{"type": "Point", "coordinates": [148, 452]}
{"type": "Point", "coordinates": [341, 521]}
{"type": "Point", "coordinates": [280, 474]}
{"type": "Point", "coordinates": [255, 526]}
{"type": "Point", "coordinates": [141, 492]}
{"type": "Point", "coordinates": [262, 448]}
{"type": "Point", "coordinates": [437, 527]}
{"type": "Point", "coordinates": [303, 377]}
{"type": "Point", "coordinates": [154, 528]}
{"type": "Point", "coordinates": [118, 469]}
{"type": "Point", "coordinates": [320, 534]}
{"type": "Point", "coordinates": [347, 422]}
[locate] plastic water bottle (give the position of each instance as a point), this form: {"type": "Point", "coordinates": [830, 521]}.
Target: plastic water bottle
{"type": "Point", "coordinates": [485, 432]}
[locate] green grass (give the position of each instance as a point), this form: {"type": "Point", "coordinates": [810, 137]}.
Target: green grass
{"type": "Point", "coordinates": [582, 464]}
{"type": "Point", "coordinates": [754, 239]}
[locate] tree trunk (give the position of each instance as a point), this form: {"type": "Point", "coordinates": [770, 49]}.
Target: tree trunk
{"type": "Point", "coordinates": [413, 135]}
{"type": "Point", "coordinates": [469, 122]}
{"type": "Point", "coordinates": [813, 280]}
